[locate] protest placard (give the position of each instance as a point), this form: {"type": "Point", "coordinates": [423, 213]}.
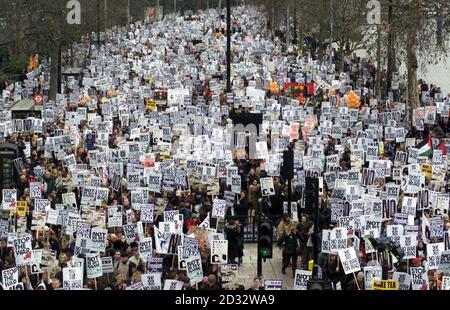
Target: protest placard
{"type": "Point", "coordinates": [151, 281]}
{"type": "Point", "coordinates": [155, 265]}
{"type": "Point", "coordinates": [371, 273]}
{"type": "Point", "coordinates": [98, 239]}
{"type": "Point", "coordinates": [10, 277]}
{"type": "Point", "coordinates": [35, 190]}
{"type": "Point", "coordinates": [194, 268]}
{"type": "Point", "coordinates": [146, 248]}
{"type": "Point", "coordinates": [419, 278]}
{"type": "Point", "coordinates": [22, 250]}
{"type": "Point", "coordinates": [93, 266]}
{"type": "Point", "coordinates": [219, 252]}
{"type": "Point", "coordinates": [434, 251]}
{"type": "Point", "coordinates": [404, 280]}
{"type": "Point", "coordinates": [73, 278]}
{"type": "Point", "coordinates": [349, 260]}
{"type": "Point", "coordinates": [338, 239]}
{"type": "Point", "coordinates": [301, 279]}
{"type": "Point", "coordinates": [107, 264]}
{"type": "Point", "coordinates": [385, 285]}
{"type": "Point", "coordinates": [9, 199]}
{"type": "Point", "coordinates": [408, 244]}
{"type": "Point", "coordinates": [172, 285]}
{"type": "Point", "coordinates": [147, 213]}
{"type": "Point", "coordinates": [444, 262]}
{"type": "Point", "coordinates": [267, 188]}
{"type": "Point", "coordinates": [219, 208]}
{"type": "Point", "coordinates": [273, 285]}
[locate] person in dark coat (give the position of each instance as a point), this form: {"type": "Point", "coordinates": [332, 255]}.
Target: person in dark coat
{"type": "Point", "coordinates": [234, 241]}
{"type": "Point", "coordinates": [290, 248]}
{"type": "Point", "coordinates": [241, 208]}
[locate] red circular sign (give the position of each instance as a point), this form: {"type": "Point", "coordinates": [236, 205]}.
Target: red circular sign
{"type": "Point", "coordinates": [38, 99]}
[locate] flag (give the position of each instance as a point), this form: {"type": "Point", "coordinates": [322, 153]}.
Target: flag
{"type": "Point", "coordinates": [162, 245]}
{"type": "Point", "coordinates": [206, 223]}
{"type": "Point", "coordinates": [425, 148]}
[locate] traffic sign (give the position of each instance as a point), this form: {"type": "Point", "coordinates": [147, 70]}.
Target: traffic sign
{"type": "Point", "coordinates": [38, 99]}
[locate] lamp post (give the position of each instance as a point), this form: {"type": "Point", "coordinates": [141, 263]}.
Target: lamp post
{"type": "Point", "coordinates": [228, 46]}
{"type": "Point", "coordinates": [128, 15]}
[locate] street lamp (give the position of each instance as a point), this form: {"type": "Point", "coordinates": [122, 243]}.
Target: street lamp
{"type": "Point", "coordinates": [228, 46]}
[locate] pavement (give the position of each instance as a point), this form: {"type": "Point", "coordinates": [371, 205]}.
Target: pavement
{"type": "Point", "coordinates": [271, 269]}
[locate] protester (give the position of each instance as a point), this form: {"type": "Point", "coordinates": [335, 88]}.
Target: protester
{"type": "Point", "coordinates": [139, 173]}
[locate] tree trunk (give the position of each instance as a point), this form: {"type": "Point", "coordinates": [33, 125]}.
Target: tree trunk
{"type": "Point", "coordinates": [439, 27]}
{"type": "Point", "coordinates": [391, 65]}
{"type": "Point", "coordinates": [341, 60]}
{"type": "Point", "coordinates": [412, 64]}
{"type": "Point", "coordinates": [54, 68]}
{"type": "Point", "coordinates": [378, 76]}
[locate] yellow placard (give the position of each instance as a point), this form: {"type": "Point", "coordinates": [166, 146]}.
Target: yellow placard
{"type": "Point", "coordinates": [21, 208]}
{"type": "Point", "coordinates": [385, 285]}
{"type": "Point", "coordinates": [381, 148]}
{"type": "Point", "coordinates": [427, 170]}
{"type": "Point", "coordinates": [150, 105]}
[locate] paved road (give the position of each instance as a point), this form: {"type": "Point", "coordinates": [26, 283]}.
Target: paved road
{"type": "Point", "coordinates": [271, 268]}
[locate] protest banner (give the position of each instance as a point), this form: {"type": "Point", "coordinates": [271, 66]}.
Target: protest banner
{"type": "Point", "coordinates": [98, 239]}
{"type": "Point", "coordinates": [151, 281]}
{"type": "Point", "coordinates": [10, 277]}
{"type": "Point", "coordinates": [404, 280]}
{"type": "Point", "coordinates": [370, 274]}
{"type": "Point", "coordinates": [145, 248]}
{"type": "Point", "coordinates": [181, 261]}
{"type": "Point", "coordinates": [36, 190]}
{"type": "Point", "coordinates": [267, 187]}
{"type": "Point", "coordinates": [36, 259]}
{"type": "Point", "coordinates": [326, 234]}
{"type": "Point", "coordinates": [236, 184]}
{"type": "Point", "coordinates": [419, 278]}
{"type": "Point", "coordinates": [219, 252]}
{"type": "Point", "coordinates": [408, 245]}
{"type": "Point", "coordinates": [114, 216]}
{"type": "Point", "coordinates": [349, 260]}
{"type": "Point", "coordinates": [385, 285]}
{"type": "Point", "coordinates": [172, 285]}
{"type": "Point", "coordinates": [171, 216]}
{"type": "Point", "coordinates": [23, 250]}
{"type": "Point", "coordinates": [338, 239]}
{"type": "Point", "coordinates": [194, 269]}
{"type": "Point", "coordinates": [445, 283]}
{"type": "Point", "coordinates": [436, 228]}
{"type": "Point", "coordinates": [136, 287]}
{"type": "Point", "coordinates": [161, 240]}
{"type": "Point", "coordinates": [9, 199]}
{"type": "Point", "coordinates": [107, 264]}
{"type": "Point", "coordinates": [147, 213]}
{"type": "Point", "coordinates": [273, 285]}
{"type": "Point", "coordinates": [219, 208]}
{"type": "Point", "coordinates": [444, 262]}
{"type": "Point", "coordinates": [130, 231]}
{"type": "Point", "coordinates": [229, 272]}
{"type": "Point", "coordinates": [73, 278]}
{"type": "Point", "coordinates": [93, 266]}
{"type": "Point", "coordinates": [155, 265]}
{"type": "Point", "coordinates": [301, 279]}
{"type": "Point", "coordinates": [434, 251]}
